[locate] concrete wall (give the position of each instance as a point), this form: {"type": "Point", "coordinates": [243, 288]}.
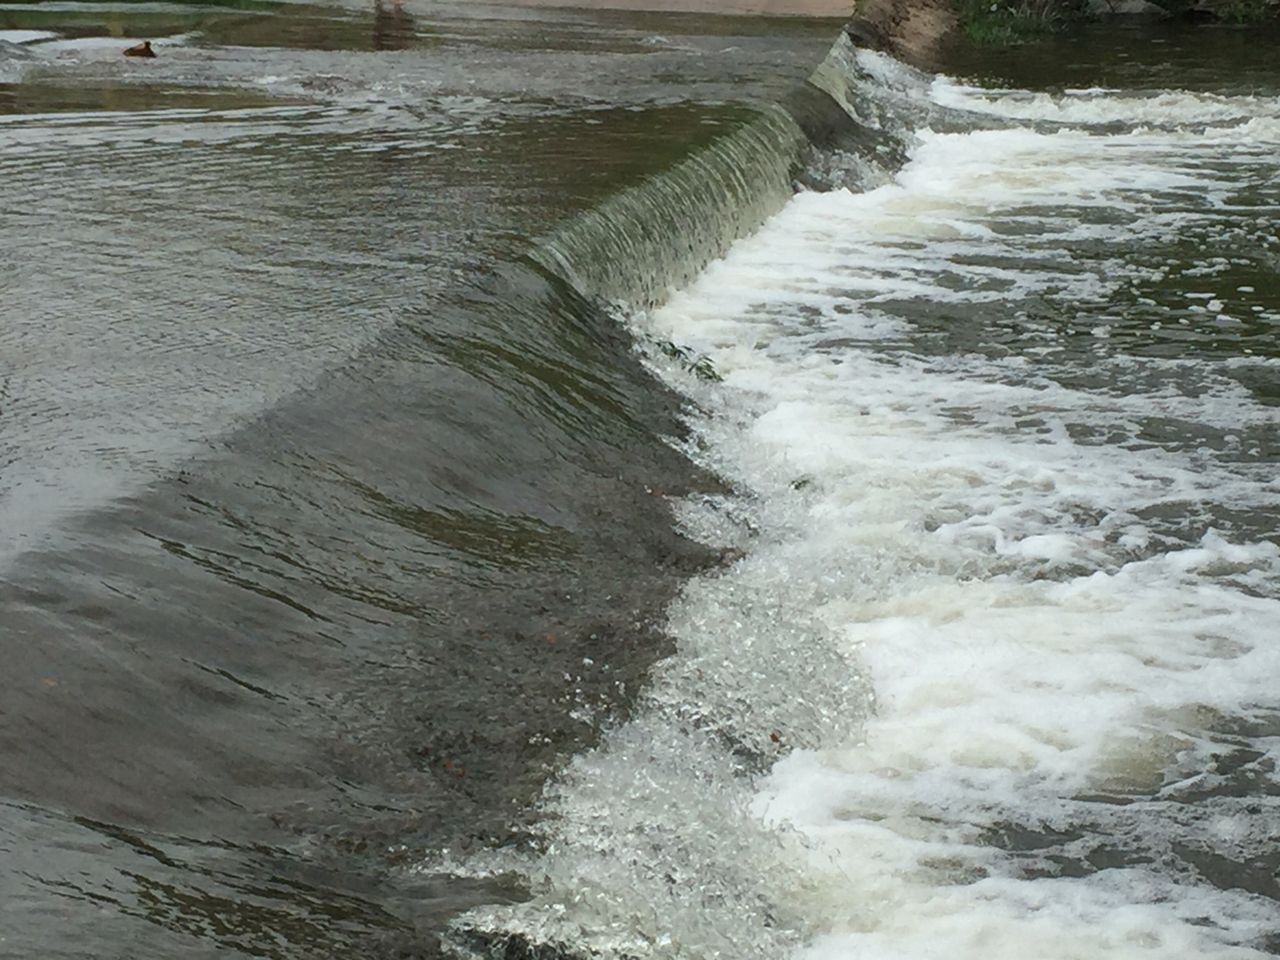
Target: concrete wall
{"type": "Point", "coordinates": [835, 9]}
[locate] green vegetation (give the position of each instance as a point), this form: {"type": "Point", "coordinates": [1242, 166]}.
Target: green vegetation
{"type": "Point", "coordinates": [1003, 22]}
{"type": "Point", "coordinates": [699, 365]}
{"type": "Point", "coordinates": [1228, 11]}
{"type": "Point", "coordinates": [995, 23]}
{"type": "Point", "coordinates": [1250, 11]}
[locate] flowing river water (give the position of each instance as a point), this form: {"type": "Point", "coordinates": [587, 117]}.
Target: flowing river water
{"type": "Point", "coordinates": [420, 540]}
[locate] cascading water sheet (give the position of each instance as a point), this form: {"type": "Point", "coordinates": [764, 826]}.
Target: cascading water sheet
{"type": "Point", "coordinates": [315, 493]}
{"type": "Point", "coordinates": [996, 676]}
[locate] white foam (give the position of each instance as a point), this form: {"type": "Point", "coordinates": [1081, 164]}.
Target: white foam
{"type": "Point", "coordinates": [26, 36]}
{"type": "Point", "coordinates": [1102, 106]}
{"type": "Point", "coordinates": [105, 48]}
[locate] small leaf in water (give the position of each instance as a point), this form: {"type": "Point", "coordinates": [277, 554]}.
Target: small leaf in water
{"type": "Point", "coordinates": [704, 369]}
{"type": "Point", "coordinates": [670, 349]}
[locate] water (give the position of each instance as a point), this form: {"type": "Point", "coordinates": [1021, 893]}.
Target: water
{"type": "Point", "coordinates": [995, 675]}
{"type": "Point", "coordinates": [316, 490]}
{"type": "Point", "coordinates": [343, 612]}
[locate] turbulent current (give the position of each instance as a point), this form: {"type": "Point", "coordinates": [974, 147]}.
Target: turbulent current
{"type": "Point", "coordinates": [996, 676]}
{"type": "Point", "coordinates": [480, 482]}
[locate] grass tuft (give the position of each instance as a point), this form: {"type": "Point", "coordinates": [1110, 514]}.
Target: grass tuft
{"type": "Point", "coordinates": [998, 23]}
{"type": "Point", "coordinates": [1225, 11]}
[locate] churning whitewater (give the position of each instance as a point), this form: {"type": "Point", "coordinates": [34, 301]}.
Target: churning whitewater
{"type": "Point", "coordinates": [995, 674]}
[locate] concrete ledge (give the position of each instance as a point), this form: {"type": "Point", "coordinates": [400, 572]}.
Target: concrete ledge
{"type": "Point", "coordinates": [833, 9]}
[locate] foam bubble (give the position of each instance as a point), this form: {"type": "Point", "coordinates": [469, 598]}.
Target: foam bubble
{"type": "Point", "coordinates": [1102, 106]}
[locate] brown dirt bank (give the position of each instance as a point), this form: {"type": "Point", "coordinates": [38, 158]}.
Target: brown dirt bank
{"type": "Point", "coordinates": [912, 30]}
